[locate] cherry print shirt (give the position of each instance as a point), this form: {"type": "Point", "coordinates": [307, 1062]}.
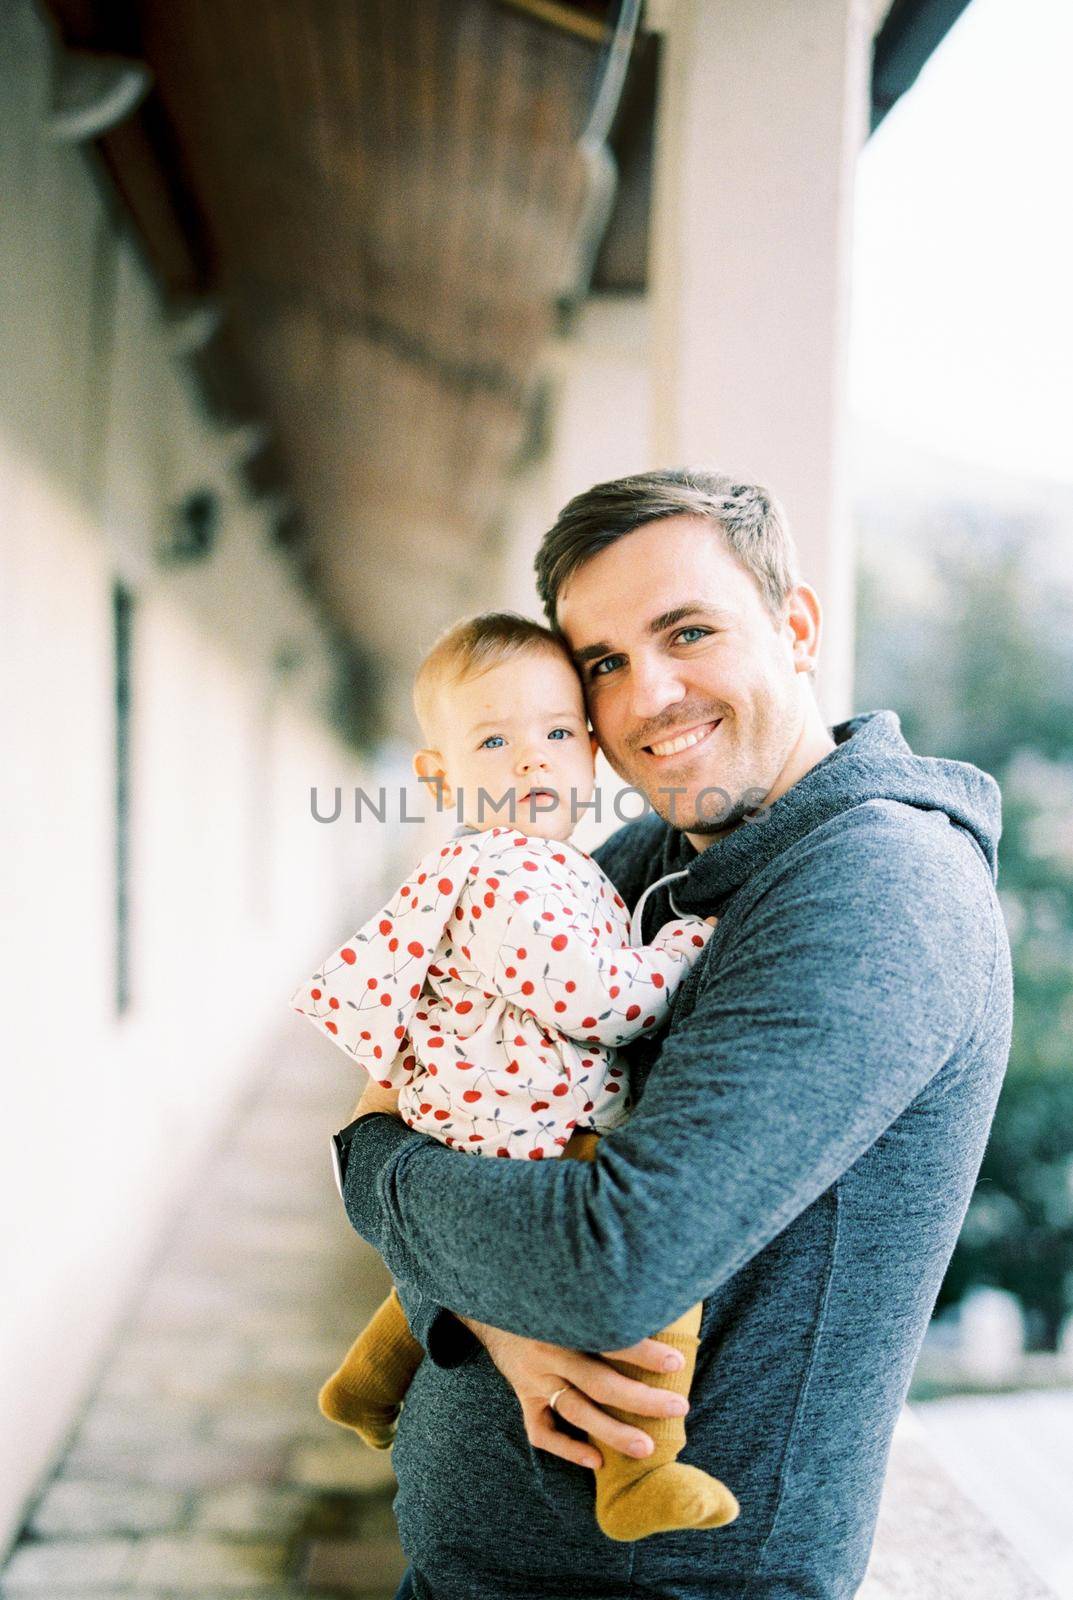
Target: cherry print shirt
{"type": "Point", "coordinates": [493, 990]}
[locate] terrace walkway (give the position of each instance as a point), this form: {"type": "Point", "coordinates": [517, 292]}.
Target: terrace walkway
{"type": "Point", "coordinates": [201, 1465]}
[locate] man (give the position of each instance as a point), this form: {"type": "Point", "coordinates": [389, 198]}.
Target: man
{"type": "Point", "coordinates": [809, 1128]}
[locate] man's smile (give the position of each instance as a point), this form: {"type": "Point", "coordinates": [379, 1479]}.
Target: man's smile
{"type": "Point", "coordinates": [688, 739]}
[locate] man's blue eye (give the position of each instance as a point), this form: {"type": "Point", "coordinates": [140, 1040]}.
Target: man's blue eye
{"type": "Point", "coordinates": [598, 670]}
{"type": "Point", "coordinates": [700, 632]}
{"type": "Point", "coordinates": [486, 744]}
{"type": "Point", "coordinates": [566, 733]}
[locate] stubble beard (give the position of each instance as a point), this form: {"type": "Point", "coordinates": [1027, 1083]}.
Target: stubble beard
{"type": "Point", "coordinates": [725, 805]}
{"type": "Point", "coordinates": [740, 786]}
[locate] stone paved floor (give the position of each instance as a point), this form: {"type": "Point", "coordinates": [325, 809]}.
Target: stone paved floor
{"type": "Point", "coordinates": [201, 1465]}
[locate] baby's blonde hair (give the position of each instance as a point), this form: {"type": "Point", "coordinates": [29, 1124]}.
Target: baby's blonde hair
{"type": "Point", "coordinates": [473, 646]}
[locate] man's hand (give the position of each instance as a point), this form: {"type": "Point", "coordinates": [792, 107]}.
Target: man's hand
{"type": "Point", "coordinates": [535, 1371]}
{"type": "Point", "coordinates": [376, 1098]}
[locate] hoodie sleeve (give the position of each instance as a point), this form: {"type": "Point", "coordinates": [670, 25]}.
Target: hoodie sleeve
{"type": "Point", "coordinates": [446, 1341]}
{"type": "Point", "coordinates": [831, 1007]}
{"type": "Point", "coordinates": [532, 946]}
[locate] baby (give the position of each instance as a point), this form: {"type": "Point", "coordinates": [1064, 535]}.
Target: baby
{"type": "Point", "coordinates": [493, 991]}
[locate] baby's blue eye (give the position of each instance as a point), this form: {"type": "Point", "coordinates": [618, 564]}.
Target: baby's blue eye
{"type": "Point", "coordinates": [566, 733]}
{"type": "Point", "coordinates": [486, 744]}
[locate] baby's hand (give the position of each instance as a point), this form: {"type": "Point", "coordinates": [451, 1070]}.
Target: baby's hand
{"type": "Point", "coordinates": [712, 921]}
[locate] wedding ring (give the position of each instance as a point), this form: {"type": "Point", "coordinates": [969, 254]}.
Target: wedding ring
{"type": "Point", "coordinates": [555, 1397]}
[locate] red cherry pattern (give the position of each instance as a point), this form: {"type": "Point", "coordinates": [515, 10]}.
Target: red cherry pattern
{"type": "Point", "coordinates": [493, 990]}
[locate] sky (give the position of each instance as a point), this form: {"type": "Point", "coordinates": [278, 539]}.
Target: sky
{"type": "Point", "coordinates": [962, 320]}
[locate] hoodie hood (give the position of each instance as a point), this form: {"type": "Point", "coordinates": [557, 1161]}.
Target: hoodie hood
{"type": "Point", "coordinates": [870, 761]}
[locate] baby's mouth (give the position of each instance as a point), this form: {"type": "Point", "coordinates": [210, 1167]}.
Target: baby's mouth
{"type": "Point", "coordinates": [539, 793]}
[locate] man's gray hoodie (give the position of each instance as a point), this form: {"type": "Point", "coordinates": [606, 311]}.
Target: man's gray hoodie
{"type": "Point", "coordinates": [809, 1131]}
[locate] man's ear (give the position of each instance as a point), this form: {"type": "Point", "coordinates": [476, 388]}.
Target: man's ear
{"type": "Point", "coordinates": [804, 620]}
{"type": "Point", "coordinates": [428, 766]}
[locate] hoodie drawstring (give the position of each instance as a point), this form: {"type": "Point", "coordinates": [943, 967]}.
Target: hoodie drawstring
{"type": "Point", "coordinates": [636, 933]}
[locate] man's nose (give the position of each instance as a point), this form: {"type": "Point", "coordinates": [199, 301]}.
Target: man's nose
{"type": "Point", "coordinates": [654, 686]}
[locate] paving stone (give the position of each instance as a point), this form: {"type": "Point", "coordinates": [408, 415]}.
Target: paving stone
{"type": "Point", "coordinates": [271, 1234]}
{"type": "Point", "coordinates": [291, 1143]}
{"type": "Point", "coordinates": [248, 1388]}
{"type": "Point", "coordinates": [270, 1186]}
{"type": "Point", "coordinates": [183, 1367]}
{"type": "Point", "coordinates": [282, 1319]}
{"type": "Point", "coordinates": [53, 1566]}
{"type": "Point", "coordinates": [277, 1389]}
{"type": "Point", "coordinates": [202, 1466]}
{"type": "Point", "coordinates": [343, 1514]}
{"type": "Point", "coordinates": [340, 1464]}
{"type": "Point", "coordinates": [311, 1358]}
{"type": "Point", "coordinates": [74, 1506]}
{"type": "Point", "coordinates": [295, 1421]}
{"type": "Point", "coordinates": [196, 1564]}
{"type": "Point", "coordinates": [377, 1520]}
{"type": "Point", "coordinates": [183, 1466]}
{"type": "Point", "coordinates": [161, 1352]}
{"type": "Point", "coordinates": [135, 1423]}
{"type": "Point", "coordinates": [356, 1566]}
{"type": "Point", "coordinates": [189, 1301]}
{"type": "Point", "coordinates": [199, 1385]}
{"type": "Point", "coordinates": [270, 1279]}
{"type": "Point", "coordinates": [246, 1510]}
{"type": "Point", "coordinates": [931, 1541]}
{"type": "Point", "coordinates": [346, 1318]}
{"type": "Point", "coordinates": [223, 1285]}
{"type": "Point", "coordinates": [111, 1593]}
{"type": "Point", "coordinates": [274, 1591]}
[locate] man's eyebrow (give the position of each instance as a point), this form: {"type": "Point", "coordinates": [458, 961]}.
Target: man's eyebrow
{"type": "Point", "coordinates": [666, 619]}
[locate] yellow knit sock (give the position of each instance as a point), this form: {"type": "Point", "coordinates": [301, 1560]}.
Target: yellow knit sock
{"type": "Point", "coordinates": [367, 1392]}
{"type": "Point", "coordinates": [656, 1493]}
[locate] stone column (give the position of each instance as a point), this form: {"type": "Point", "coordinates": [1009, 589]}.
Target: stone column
{"type": "Point", "coordinates": [762, 113]}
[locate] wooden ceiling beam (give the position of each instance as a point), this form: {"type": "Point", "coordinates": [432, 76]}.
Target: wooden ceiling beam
{"type": "Point", "coordinates": [567, 18]}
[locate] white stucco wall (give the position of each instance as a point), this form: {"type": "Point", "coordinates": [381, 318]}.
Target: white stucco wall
{"type": "Point", "coordinates": [234, 890]}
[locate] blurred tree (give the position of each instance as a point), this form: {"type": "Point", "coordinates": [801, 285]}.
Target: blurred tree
{"type": "Point", "coordinates": [976, 655]}
{"type": "Point", "coordinates": [1018, 1234]}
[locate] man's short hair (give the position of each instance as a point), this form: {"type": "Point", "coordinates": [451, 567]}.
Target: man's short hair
{"type": "Point", "coordinates": [475, 645]}
{"type": "Point", "coordinates": [749, 517]}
